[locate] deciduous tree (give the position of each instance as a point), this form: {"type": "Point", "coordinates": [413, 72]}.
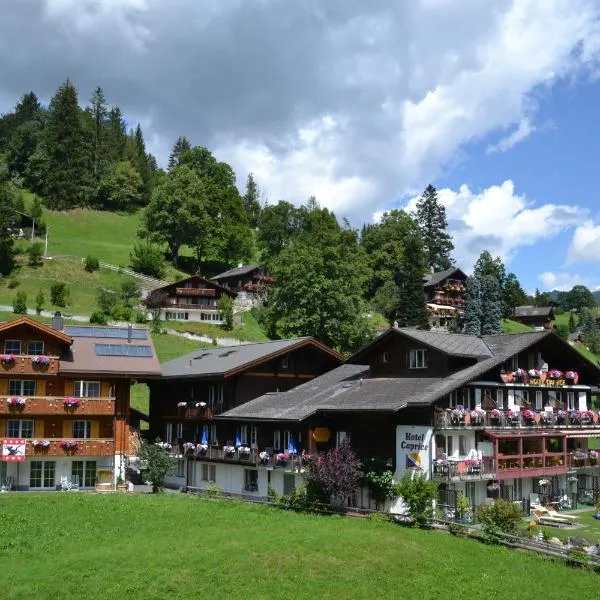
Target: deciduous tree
{"type": "Point", "coordinates": [251, 202]}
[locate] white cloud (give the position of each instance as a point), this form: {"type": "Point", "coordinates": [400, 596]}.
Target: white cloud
{"type": "Point", "coordinates": [585, 245]}
{"type": "Point", "coordinates": [522, 132]}
{"type": "Point", "coordinates": [564, 281]}
{"type": "Point", "coordinates": [499, 220]}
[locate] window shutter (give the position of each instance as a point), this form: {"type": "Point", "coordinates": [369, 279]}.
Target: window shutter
{"type": "Point", "coordinates": [582, 401]}
{"type": "Point", "coordinates": [105, 389]}
{"type": "Point", "coordinates": [2, 427]}
{"type": "Point", "coordinates": [67, 428]}
{"type": "Point", "coordinates": [69, 388]}
{"type": "Point", "coordinates": [39, 428]}
{"type": "Point", "coordinates": [40, 388]}
{"type": "Point", "coordinates": [95, 429]}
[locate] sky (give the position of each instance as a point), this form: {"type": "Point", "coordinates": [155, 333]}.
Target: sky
{"type": "Point", "coordinates": [361, 104]}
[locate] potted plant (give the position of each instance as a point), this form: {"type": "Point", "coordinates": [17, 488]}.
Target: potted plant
{"type": "Point", "coordinates": [457, 416]}
{"type": "Point", "coordinates": [188, 447]}
{"type": "Point", "coordinates": [593, 457]}
{"type": "Point", "coordinates": [16, 402]}
{"type": "Point", "coordinates": [71, 403]}
{"type": "Point", "coordinates": [512, 417]}
{"type": "Point", "coordinates": [7, 360]}
{"type": "Point", "coordinates": [529, 417]}
{"type": "Point", "coordinates": [572, 377]}
{"type": "Point", "coordinates": [41, 361]}
{"type": "Point", "coordinates": [282, 459]}
{"type": "Point", "coordinates": [496, 417]}
{"type": "Point", "coordinates": [121, 485]}
{"type": "Point", "coordinates": [477, 417]}
{"type": "Point", "coordinates": [41, 444]}
{"type": "Point", "coordinates": [519, 375]}
{"type": "Point", "coordinates": [244, 451]}
{"type": "Point", "coordinates": [201, 449]}
{"type": "Point", "coordinates": [228, 451]}
{"type": "Point", "coordinates": [561, 417]}
{"type": "Point", "coordinates": [554, 374]}
{"type": "Point", "coordinates": [68, 445]}
{"type": "Point", "coordinates": [264, 457]}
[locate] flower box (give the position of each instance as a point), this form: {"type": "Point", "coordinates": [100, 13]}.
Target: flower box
{"type": "Point", "coordinates": [561, 417]}
{"type": "Point", "coordinates": [201, 449]}
{"type": "Point", "coordinates": [572, 377]}
{"type": "Point", "coordinates": [69, 445]}
{"type": "Point", "coordinates": [457, 416]}
{"type": "Point", "coordinates": [16, 402]}
{"type": "Point", "coordinates": [529, 417]}
{"type": "Point", "coordinates": [229, 451]}
{"type": "Point", "coordinates": [282, 459]}
{"type": "Point", "coordinates": [555, 374]}
{"type": "Point", "coordinates": [71, 402]}
{"type": "Point", "coordinates": [264, 457]}
{"type": "Point", "coordinates": [188, 447]}
{"type": "Point", "coordinates": [513, 417]}
{"type": "Point", "coordinates": [244, 450]}
{"type": "Point", "coordinates": [181, 404]}
{"type": "Point", "coordinates": [8, 360]}
{"type": "Point", "coordinates": [41, 361]}
{"type": "Point", "coordinates": [477, 417]}
{"type": "Point", "coordinates": [41, 444]}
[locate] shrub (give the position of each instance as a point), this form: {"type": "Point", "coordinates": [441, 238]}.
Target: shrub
{"type": "Point", "coordinates": [563, 331]}
{"type": "Point", "coordinates": [159, 462]}
{"type": "Point", "coordinates": [225, 305]}
{"type": "Point", "coordinates": [91, 264]}
{"type": "Point", "coordinates": [147, 259]}
{"type": "Point", "coordinates": [463, 506]}
{"type": "Point", "coordinates": [379, 480]}
{"type": "Point", "coordinates": [98, 318]}
{"type": "Point", "coordinates": [34, 254]}
{"type": "Point", "coordinates": [418, 495]}
{"type": "Point", "coordinates": [130, 290]}
{"type": "Point", "coordinates": [458, 529]}
{"type": "Point", "coordinates": [13, 283]}
{"type": "Point", "coordinates": [59, 294]}
{"type": "Point", "coordinates": [107, 300]}
{"type": "Point", "coordinates": [121, 313]}
{"type": "Point", "coordinates": [20, 304]}
{"type": "Point", "coordinates": [140, 317]}
{"type": "Point", "coordinates": [39, 302]}
{"type": "Point", "coordinates": [502, 516]}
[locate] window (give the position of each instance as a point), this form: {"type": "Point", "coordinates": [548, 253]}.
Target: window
{"type": "Point", "coordinates": [340, 436]}
{"type": "Point", "coordinates": [215, 394]}
{"type": "Point", "coordinates": [500, 399]}
{"type": "Point", "coordinates": [169, 432]}
{"type": "Point", "coordinates": [243, 431]}
{"type": "Point", "coordinates": [418, 359]}
{"type": "Point", "coordinates": [521, 398]}
{"type": "Point", "coordinates": [35, 347]}
{"type": "Point", "coordinates": [209, 472]}
{"type": "Point", "coordinates": [250, 480]}
{"type": "Point", "coordinates": [213, 434]}
{"type": "Point", "coordinates": [253, 436]}
{"type": "Point", "coordinates": [82, 429]}
{"type": "Point", "coordinates": [450, 445]}
{"type": "Point", "coordinates": [19, 428]}
{"type": "Point", "coordinates": [180, 467]}
{"type": "Point", "coordinates": [12, 347]}
{"type": "Point", "coordinates": [570, 400]}
{"type": "Point", "coordinates": [179, 431]}
{"type": "Point", "coordinates": [555, 399]}
{"type": "Point", "coordinates": [42, 474]}
{"type": "Point", "coordinates": [286, 440]}
{"type": "Point", "coordinates": [383, 357]}
{"type": "Point", "coordinates": [277, 440]}
{"type": "Point", "coordinates": [18, 387]}
{"type": "Point", "coordinates": [538, 400]}
{"type": "Point", "coordinates": [284, 362]}
{"type": "Point", "coordinates": [85, 471]}
{"type": "Point", "coordinates": [462, 445]}
{"type": "Point", "coordinates": [87, 389]}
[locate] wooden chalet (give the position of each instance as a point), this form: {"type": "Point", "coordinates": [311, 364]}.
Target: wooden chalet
{"type": "Point", "coordinates": [64, 402]}
{"type": "Point", "coordinates": [192, 299]}
{"type": "Point", "coordinates": [538, 317]}
{"type": "Point", "coordinates": [445, 296]}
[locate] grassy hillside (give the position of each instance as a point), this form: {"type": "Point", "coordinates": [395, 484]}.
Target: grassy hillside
{"type": "Point", "coordinates": [509, 326]}
{"type": "Point", "coordinates": [180, 546]}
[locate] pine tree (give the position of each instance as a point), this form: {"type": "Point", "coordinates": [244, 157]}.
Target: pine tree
{"type": "Point", "coordinates": [67, 168]}
{"type": "Point", "coordinates": [181, 145]}
{"type": "Point", "coordinates": [251, 202]}
{"type": "Point", "coordinates": [142, 164]}
{"type": "Point", "coordinates": [491, 309]}
{"type": "Point", "coordinates": [411, 310]}
{"type": "Point", "coordinates": [98, 112]}
{"type": "Point", "coordinates": [431, 217]}
{"type": "Point", "coordinates": [115, 135]}
{"type": "Point", "coordinates": [572, 322]}
{"type": "Point", "coordinates": [472, 316]}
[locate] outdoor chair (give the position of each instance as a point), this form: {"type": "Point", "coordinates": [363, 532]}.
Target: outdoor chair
{"type": "Point", "coordinates": [69, 484]}
{"type": "Point", "coordinates": [8, 483]}
{"type": "Point", "coordinates": [543, 519]}
{"type": "Point", "coordinates": [554, 513]}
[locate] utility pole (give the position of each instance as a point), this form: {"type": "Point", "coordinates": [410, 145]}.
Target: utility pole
{"type": "Point", "coordinates": [46, 248]}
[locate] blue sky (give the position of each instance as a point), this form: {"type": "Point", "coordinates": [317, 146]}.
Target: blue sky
{"type": "Point", "coordinates": [361, 104]}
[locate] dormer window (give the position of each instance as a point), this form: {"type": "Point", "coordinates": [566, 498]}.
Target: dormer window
{"type": "Point", "coordinates": [12, 347]}
{"type": "Point", "coordinates": [418, 359]}
{"type": "Point", "coordinates": [35, 348]}
{"type": "Point", "coordinates": [384, 357]}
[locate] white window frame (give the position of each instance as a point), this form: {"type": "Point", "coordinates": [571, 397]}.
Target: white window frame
{"type": "Point", "coordinates": [18, 387]}
{"type": "Point", "coordinates": [340, 436]}
{"type": "Point", "coordinates": [20, 433]}
{"type": "Point", "coordinates": [418, 359]}
{"type": "Point", "coordinates": [500, 399]}
{"type": "Point", "coordinates": [253, 436]}
{"type": "Point", "coordinates": [277, 439]}
{"type": "Point", "coordinates": [212, 439]}
{"type": "Point", "coordinates": [539, 401]}
{"type": "Point", "coordinates": [243, 431]}
{"type": "Point", "coordinates": [81, 389]}
{"type": "Point", "coordinates": [46, 484]}
{"type": "Point", "coordinates": [286, 439]}
{"type": "Point", "coordinates": [462, 445]}
{"type": "Point", "coordinates": [30, 353]}
{"type": "Point", "coordinates": [180, 467]}
{"type": "Point", "coordinates": [7, 351]}
{"type": "Point", "coordinates": [84, 482]}
{"type": "Point", "coordinates": [570, 400]}
{"type": "Point", "coordinates": [87, 429]}
{"type": "Point", "coordinates": [208, 473]}
{"type": "Point", "coordinates": [179, 431]}
{"type": "Point", "coordinates": [168, 433]}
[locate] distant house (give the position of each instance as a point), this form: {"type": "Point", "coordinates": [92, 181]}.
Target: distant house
{"type": "Point", "coordinates": [445, 296]}
{"type": "Point", "coordinates": [248, 281]}
{"type": "Point", "coordinates": [535, 316]}
{"type": "Point", "coordinates": [191, 299]}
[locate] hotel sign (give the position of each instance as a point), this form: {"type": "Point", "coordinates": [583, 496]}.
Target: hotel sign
{"type": "Point", "coordinates": [547, 382]}
{"type": "Point", "coordinates": [413, 450]}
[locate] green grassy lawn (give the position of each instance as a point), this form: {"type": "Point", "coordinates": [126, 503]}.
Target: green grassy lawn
{"type": "Point", "coordinates": [249, 330]}
{"type": "Point", "coordinates": [509, 326]}
{"type": "Point", "coordinates": [180, 546]}
{"type": "Point", "coordinates": [590, 528]}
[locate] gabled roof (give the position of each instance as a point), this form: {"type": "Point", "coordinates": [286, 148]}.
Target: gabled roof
{"type": "Point", "coordinates": [439, 276]}
{"type": "Point", "coordinates": [349, 387]}
{"type": "Point", "coordinates": [229, 360]}
{"type": "Point", "coordinates": [46, 329]}
{"type": "Point", "coordinates": [235, 272]}
{"type": "Point", "coordinates": [534, 311]}
{"type": "Point", "coordinates": [197, 278]}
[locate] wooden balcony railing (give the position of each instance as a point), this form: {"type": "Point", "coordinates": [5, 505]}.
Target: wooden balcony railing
{"type": "Point", "coordinates": [464, 469]}
{"type": "Point", "coordinates": [205, 292]}
{"type": "Point", "coordinates": [582, 460]}
{"type": "Point", "coordinates": [55, 405]}
{"type": "Point", "coordinates": [83, 447]}
{"type": "Point", "coordinates": [531, 465]}
{"type": "Point", "coordinates": [523, 419]}
{"type": "Point", "coordinates": [23, 364]}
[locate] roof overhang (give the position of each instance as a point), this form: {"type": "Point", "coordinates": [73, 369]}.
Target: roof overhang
{"type": "Point", "coordinates": [46, 329]}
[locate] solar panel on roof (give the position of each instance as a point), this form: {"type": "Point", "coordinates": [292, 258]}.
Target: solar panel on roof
{"type": "Point", "coordinates": [119, 333]}
{"type": "Point", "coordinates": [123, 350]}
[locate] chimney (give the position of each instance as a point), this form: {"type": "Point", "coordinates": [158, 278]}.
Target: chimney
{"type": "Point", "coordinates": [129, 333]}
{"type": "Point", "coordinates": [57, 321]}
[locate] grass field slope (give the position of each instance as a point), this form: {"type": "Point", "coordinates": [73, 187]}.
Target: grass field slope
{"type": "Point", "coordinates": [179, 546]}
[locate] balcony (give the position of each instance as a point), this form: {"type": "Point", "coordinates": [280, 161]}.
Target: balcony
{"type": "Point", "coordinates": [583, 460]}
{"type": "Point", "coordinates": [79, 447]}
{"type": "Point", "coordinates": [204, 292]}
{"type": "Point", "coordinates": [522, 419]}
{"type": "Point", "coordinates": [531, 465]}
{"type": "Point", "coordinates": [23, 364]}
{"type": "Point", "coordinates": [463, 469]}
{"type": "Point", "coordinates": [55, 405]}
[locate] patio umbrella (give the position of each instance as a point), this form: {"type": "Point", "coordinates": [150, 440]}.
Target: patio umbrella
{"type": "Point", "coordinates": [291, 446]}
{"type": "Point", "coordinates": [238, 439]}
{"type": "Point", "coordinates": [204, 439]}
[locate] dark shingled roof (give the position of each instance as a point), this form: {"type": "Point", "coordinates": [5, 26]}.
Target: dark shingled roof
{"type": "Point", "coordinates": [533, 311]}
{"type": "Point", "coordinates": [435, 278]}
{"type": "Point", "coordinates": [349, 388]}
{"type": "Point", "coordinates": [236, 271]}
{"type": "Point", "coordinates": [208, 362]}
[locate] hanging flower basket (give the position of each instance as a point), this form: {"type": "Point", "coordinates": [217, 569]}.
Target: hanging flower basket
{"type": "Point", "coordinates": [41, 361]}
{"type": "Point", "coordinates": [69, 445]}
{"type": "Point", "coordinates": [7, 359]}
{"type": "Point", "coordinates": [71, 402]}
{"type": "Point", "coordinates": [41, 444]}
{"type": "Point", "coordinates": [477, 417]}
{"type": "Point", "coordinates": [229, 451]}
{"type": "Point", "coordinates": [181, 404]}
{"type": "Point", "coordinates": [16, 402]}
